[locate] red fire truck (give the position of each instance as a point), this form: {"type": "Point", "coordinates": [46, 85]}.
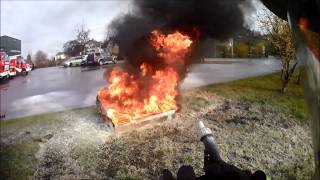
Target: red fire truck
{"type": "Point", "coordinates": [18, 66]}
{"type": "Point", "coordinates": [4, 65]}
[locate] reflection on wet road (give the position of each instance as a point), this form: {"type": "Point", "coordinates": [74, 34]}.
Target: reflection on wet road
{"type": "Point", "coordinates": [57, 89]}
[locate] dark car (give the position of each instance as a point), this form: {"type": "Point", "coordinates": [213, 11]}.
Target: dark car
{"type": "Point", "coordinates": [89, 60]}
{"type": "Point", "coordinates": [98, 59]}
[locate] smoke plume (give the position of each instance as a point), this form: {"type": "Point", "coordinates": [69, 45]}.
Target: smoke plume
{"type": "Point", "coordinates": [200, 19]}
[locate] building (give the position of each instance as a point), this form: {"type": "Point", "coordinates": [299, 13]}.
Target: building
{"type": "Point", "coordinates": [10, 45]}
{"type": "Point", "coordinates": [60, 56]}
{"type": "Point", "coordinates": [93, 46]}
{"type": "Point", "coordinates": [213, 48]}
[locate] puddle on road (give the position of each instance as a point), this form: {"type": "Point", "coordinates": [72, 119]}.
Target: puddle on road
{"type": "Point", "coordinates": [4, 86]}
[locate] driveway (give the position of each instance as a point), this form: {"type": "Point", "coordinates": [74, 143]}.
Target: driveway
{"type": "Point", "coordinates": [58, 89]}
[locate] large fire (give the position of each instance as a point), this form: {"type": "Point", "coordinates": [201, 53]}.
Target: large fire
{"type": "Point", "coordinates": [132, 96]}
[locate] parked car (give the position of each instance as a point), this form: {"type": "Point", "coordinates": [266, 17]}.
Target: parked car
{"type": "Point", "coordinates": [107, 58]}
{"type": "Point", "coordinates": [89, 60]}
{"type": "Point", "coordinates": [84, 60]}
{"type": "Point", "coordinates": [101, 58]}
{"type": "Point", "coordinates": [73, 61]}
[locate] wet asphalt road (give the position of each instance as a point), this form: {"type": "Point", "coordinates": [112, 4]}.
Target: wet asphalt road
{"type": "Point", "coordinates": [57, 89]}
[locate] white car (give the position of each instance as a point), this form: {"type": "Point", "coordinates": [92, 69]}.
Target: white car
{"type": "Point", "coordinates": [74, 61]}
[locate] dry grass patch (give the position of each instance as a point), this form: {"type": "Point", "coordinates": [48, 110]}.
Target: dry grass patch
{"type": "Point", "coordinates": [249, 135]}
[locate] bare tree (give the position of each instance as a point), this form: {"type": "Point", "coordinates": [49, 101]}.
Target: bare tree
{"type": "Point", "coordinates": [73, 48]}
{"type": "Point", "coordinates": [29, 60]}
{"type": "Point", "coordinates": [41, 59]}
{"type": "Point", "coordinates": [282, 38]}
{"type": "Point", "coordinates": [82, 34]}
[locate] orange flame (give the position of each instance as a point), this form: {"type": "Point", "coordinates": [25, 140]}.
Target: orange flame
{"type": "Point", "coordinates": [133, 96]}
{"type": "Point", "coordinates": [312, 39]}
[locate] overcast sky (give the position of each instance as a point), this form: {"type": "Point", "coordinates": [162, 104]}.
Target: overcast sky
{"type": "Point", "coordinates": [46, 25]}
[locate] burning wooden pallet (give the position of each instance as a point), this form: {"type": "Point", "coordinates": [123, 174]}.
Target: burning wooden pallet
{"type": "Point", "coordinates": [146, 93]}
{"type": "Point", "coordinates": [136, 123]}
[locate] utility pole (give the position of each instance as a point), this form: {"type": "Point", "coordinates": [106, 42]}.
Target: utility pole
{"type": "Point", "coordinates": [231, 46]}
{"type": "Point", "coordinates": [214, 48]}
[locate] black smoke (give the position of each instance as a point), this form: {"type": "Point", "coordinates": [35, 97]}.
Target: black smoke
{"type": "Point", "coordinates": [200, 19]}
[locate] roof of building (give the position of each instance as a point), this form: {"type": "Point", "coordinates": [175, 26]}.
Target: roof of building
{"type": "Point", "coordinates": [9, 37]}
{"type": "Point", "coordinates": [60, 53]}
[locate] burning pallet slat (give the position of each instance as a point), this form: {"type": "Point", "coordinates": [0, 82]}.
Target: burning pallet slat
{"type": "Point", "coordinates": [150, 120]}
{"type": "Point", "coordinates": [136, 123]}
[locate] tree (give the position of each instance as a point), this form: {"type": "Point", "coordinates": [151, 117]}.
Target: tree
{"type": "Point", "coordinates": [78, 45]}
{"type": "Point", "coordinates": [41, 59]}
{"type": "Point", "coordinates": [82, 34]}
{"type": "Point", "coordinates": [282, 38]}
{"type": "Point", "coordinates": [241, 49]}
{"type": "Point", "coordinates": [29, 61]}
{"type": "Point", "coordinates": [52, 62]}
{"type": "Point", "coordinates": [73, 48]}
